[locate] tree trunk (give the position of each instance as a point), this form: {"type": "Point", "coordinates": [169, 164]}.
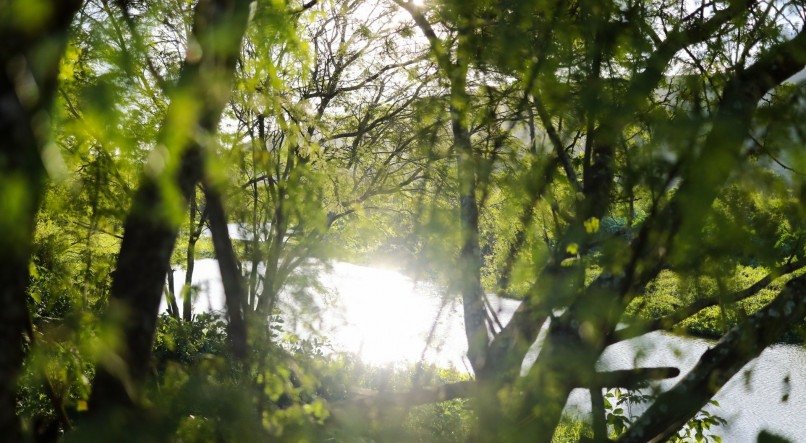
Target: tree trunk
{"type": "Point", "coordinates": [598, 413]}
{"type": "Point", "coordinates": [187, 291]}
{"type": "Point", "coordinates": [170, 294]}
{"type": "Point", "coordinates": [149, 235]}
{"type": "Point", "coordinates": [230, 275]}
{"type": "Point", "coordinates": [137, 283]}
{"type": "Point", "coordinates": [470, 260]}
{"type": "Point", "coordinates": [29, 52]}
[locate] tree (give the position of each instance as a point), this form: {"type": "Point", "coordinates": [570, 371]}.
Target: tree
{"type": "Point", "coordinates": [335, 133]}
{"type": "Point", "coordinates": [30, 64]}
{"type": "Point", "coordinates": [617, 167]}
{"type": "Point", "coordinates": [609, 79]}
{"type": "Point", "coordinates": [149, 235]}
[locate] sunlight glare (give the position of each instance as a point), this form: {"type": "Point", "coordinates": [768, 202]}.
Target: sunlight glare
{"type": "Point", "coordinates": [387, 318]}
{"type": "Point", "coordinates": [382, 316]}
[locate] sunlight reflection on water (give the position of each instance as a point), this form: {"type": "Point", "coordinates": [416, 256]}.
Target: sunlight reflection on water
{"type": "Point", "coordinates": [386, 318]}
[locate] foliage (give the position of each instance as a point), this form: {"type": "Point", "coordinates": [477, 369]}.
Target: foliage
{"type": "Point", "coordinates": [186, 343]}
{"type": "Point", "coordinates": [670, 291]}
{"type": "Point", "coordinates": [698, 428]}
{"type": "Point", "coordinates": [613, 164]}
{"type": "Point", "coordinates": [571, 430]}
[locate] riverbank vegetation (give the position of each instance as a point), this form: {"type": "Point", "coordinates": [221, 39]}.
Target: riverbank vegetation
{"type": "Point", "coordinates": [618, 167]}
{"type": "Point", "coordinates": [664, 298]}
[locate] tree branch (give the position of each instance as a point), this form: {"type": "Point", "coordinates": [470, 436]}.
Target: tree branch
{"type": "Point", "coordinates": [719, 364]}
{"type": "Point", "coordinates": [554, 375]}
{"type": "Point", "coordinates": [230, 275]}
{"type": "Point", "coordinates": [669, 320]}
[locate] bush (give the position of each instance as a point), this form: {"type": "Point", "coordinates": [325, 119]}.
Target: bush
{"type": "Point", "coordinates": [188, 342]}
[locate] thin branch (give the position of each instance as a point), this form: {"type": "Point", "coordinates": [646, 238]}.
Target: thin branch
{"type": "Point", "coordinates": [562, 155]}
{"type": "Point", "coordinates": [304, 7]}
{"type": "Point", "coordinates": [669, 320]}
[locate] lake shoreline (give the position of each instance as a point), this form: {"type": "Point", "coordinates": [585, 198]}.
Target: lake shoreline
{"type": "Point", "coordinates": [696, 326]}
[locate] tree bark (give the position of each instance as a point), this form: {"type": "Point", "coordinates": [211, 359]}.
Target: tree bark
{"type": "Point", "coordinates": [29, 66]}
{"type": "Point", "coordinates": [142, 264]}
{"type": "Point", "coordinates": [470, 261]}
{"type": "Point", "coordinates": [469, 272]}
{"type": "Point", "coordinates": [230, 275]}
{"type": "Point", "coordinates": [598, 414]}
{"type": "Point", "coordinates": [170, 294]}
{"type": "Point", "coordinates": [187, 291]}
{"type": "Point", "coordinates": [149, 235]}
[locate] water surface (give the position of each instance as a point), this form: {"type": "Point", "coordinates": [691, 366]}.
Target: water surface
{"type": "Point", "coordinates": [386, 318]}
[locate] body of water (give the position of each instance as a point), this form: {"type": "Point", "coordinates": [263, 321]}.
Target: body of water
{"type": "Point", "coordinates": [387, 318]}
